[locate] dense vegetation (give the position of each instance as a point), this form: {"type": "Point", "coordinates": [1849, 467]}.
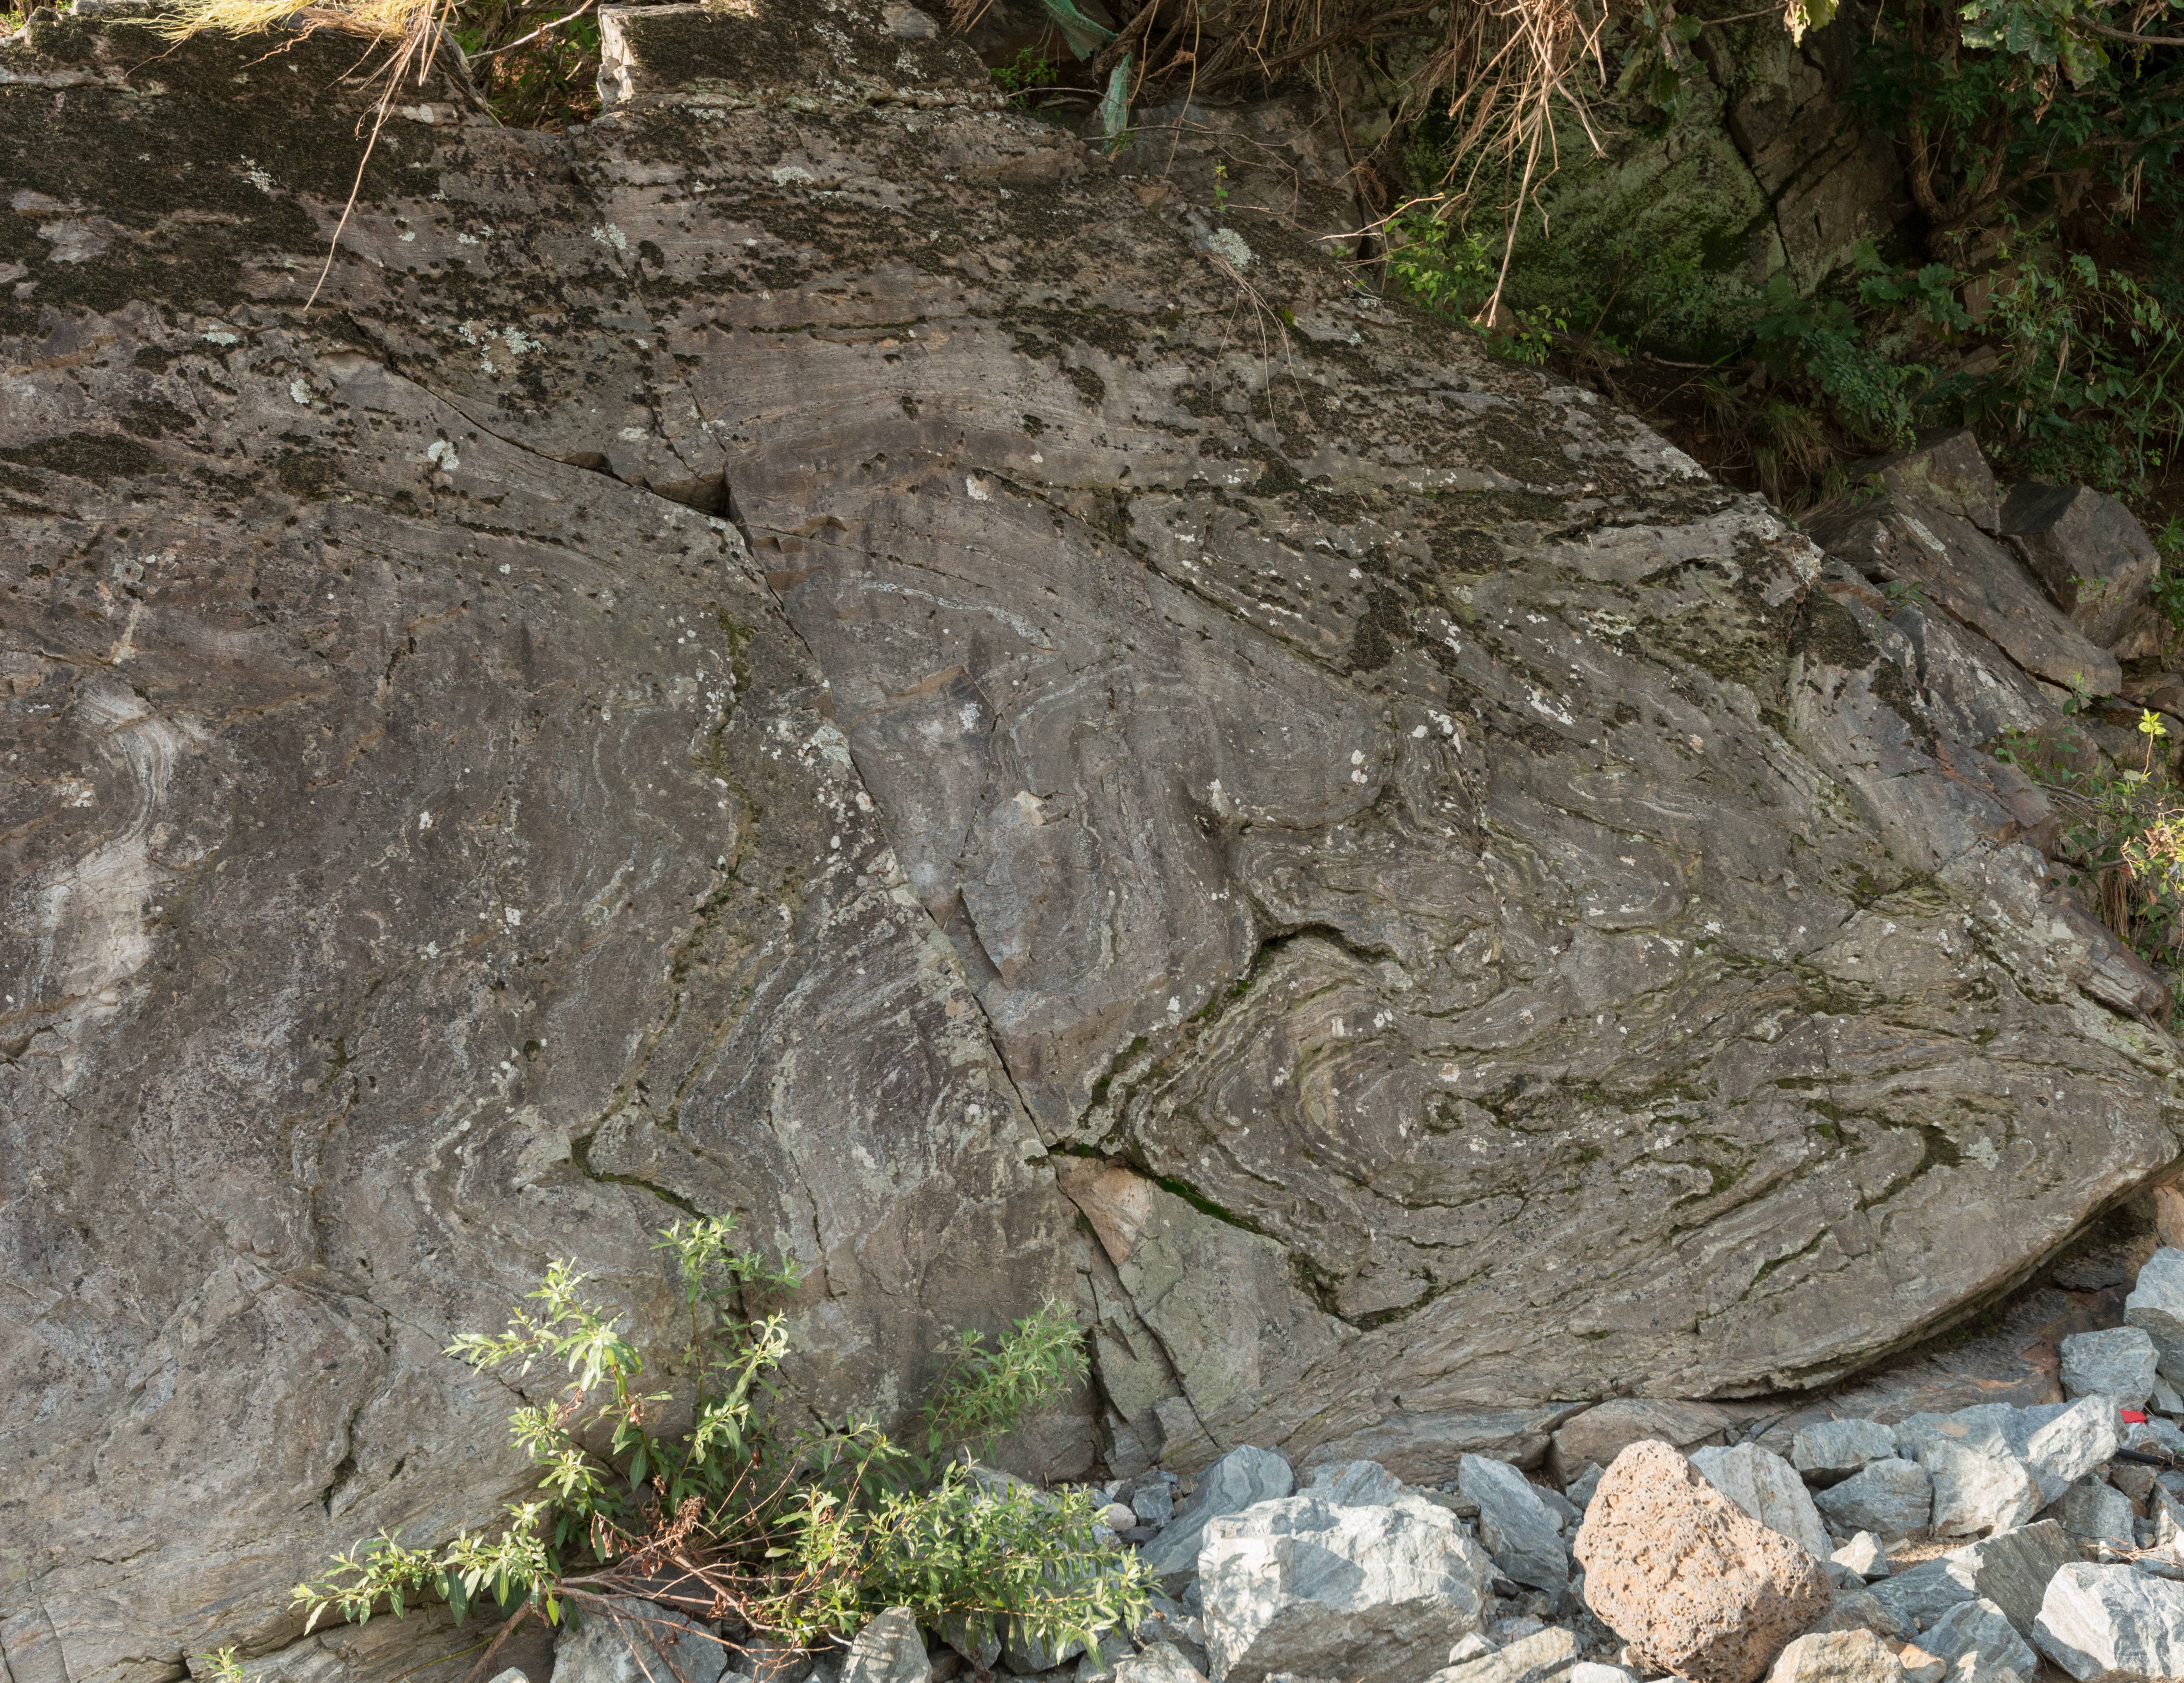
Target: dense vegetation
{"type": "Point", "coordinates": [793, 1535]}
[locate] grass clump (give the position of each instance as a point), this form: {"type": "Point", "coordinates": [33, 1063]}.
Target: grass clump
{"type": "Point", "coordinates": [796, 1537]}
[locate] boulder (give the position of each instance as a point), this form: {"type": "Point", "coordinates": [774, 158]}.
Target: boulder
{"type": "Point", "coordinates": [1523, 1537]}
{"type": "Point", "coordinates": [2011, 1569]}
{"type": "Point", "coordinates": [1301, 1585]}
{"type": "Point", "coordinates": [2119, 1362]}
{"type": "Point", "coordinates": [1865, 1555]}
{"type": "Point", "coordinates": [1976, 1491]}
{"type": "Point", "coordinates": [1860, 1609]}
{"type": "Point", "coordinates": [1889, 1498]}
{"type": "Point", "coordinates": [2156, 1304]}
{"type": "Point", "coordinates": [1920, 1666]}
{"type": "Point", "coordinates": [1678, 1571]}
{"type": "Point", "coordinates": [1948, 471]}
{"type": "Point", "coordinates": [2095, 1511]}
{"type": "Point", "coordinates": [1548, 1656]}
{"type": "Point", "coordinates": [1979, 1643]}
{"type": "Point", "coordinates": [888, 1650]}
{"type": "Point", "coordinates": [629, 1640]}
{"type": "Point", "coordinates": [1838, 1656]}
{"type": "Point", "coordinates": [2101, 1622]}
{"type": "Point", "coordinates": [1241, 1478]}
{"type": "Point", "coordinates": [1162, 1663]}
{"type": "Point", "coordinates": [751, 844]}
{"type": "Point", "coordinates": [1971, 574]}
{"type": "Point", "coordinates": [1769, 1489]}
{"type": "Point", "coordinates": [2066, 1448]}
{"type": "Point", "coordinates": [1354, 1483]}
{"type": "Point", "coordinates": [1593, 1671]}
{"type": "Point", "coordinates": [2095, 558]}
{"type": "Point", "coordinates": [1828, 1452]}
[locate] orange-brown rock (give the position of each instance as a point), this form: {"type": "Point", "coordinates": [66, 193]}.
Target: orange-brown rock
{"type": "Point", "coordinates": [1679, 1573]}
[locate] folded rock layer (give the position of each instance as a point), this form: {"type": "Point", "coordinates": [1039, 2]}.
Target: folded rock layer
{"type": "Point", "coordinates": [809, 649]}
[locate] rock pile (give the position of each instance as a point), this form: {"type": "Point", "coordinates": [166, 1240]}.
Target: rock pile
{"type": "Point", "coordinates": [1842, 1562]}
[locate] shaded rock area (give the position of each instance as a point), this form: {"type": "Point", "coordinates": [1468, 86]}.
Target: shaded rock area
{"type": "Point", "coordinates": [809, 650]}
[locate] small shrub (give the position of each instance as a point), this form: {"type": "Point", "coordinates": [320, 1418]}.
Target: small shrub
{"type": "Point", "coordinates": [796, 1536]}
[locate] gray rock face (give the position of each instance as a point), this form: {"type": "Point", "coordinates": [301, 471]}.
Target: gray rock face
{"type": "Point", "coordinates": [2095, 558]}
{"type": "Point", "coordinates": [1829, 1452]}
{"type": "Point", "coordinates": [2111, 1622]}
{"type": "Point", "coordinates": [2156, 1306]}
{"type": "Point", "coordinates": [1241, 1478]}
{"type": "Point", "coordinates": [1767, 1489]}
{"type": "Point", "coordinates": [1303, 1585]}
{"type": "Point", "coordinates": [817, 818]}
{"type": "Point", "coordinates": [636, 1642]}
{"type": "Point", "coordinates": [1523, 1537]}
{"type": "Point", "coordinates": [1890, 1498]}
{"type": "Point", "coordinates": [1979, 1643]}
{"type": "Point", "coordinates": [888, 1650]}
{"type": "Point", "coordinates": [2119, 1362]}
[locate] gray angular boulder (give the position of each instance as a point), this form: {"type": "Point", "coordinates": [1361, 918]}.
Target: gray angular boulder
{"type": "Point", "coordinates": [2012, 1570]}
{"type": "Point", "coordinates": [1548, 1656]}
{"type": "Point", "coordinates": [630, 1640]}
{"type": "Point", "coordinates": [1353, 1484]}
{"type": "Point", "coordinates": [1828, 1452]}
{"type": "Point", "coordinates": [1301, 1585]}
{"type": "Point", "coordinates": [2119, 1361]}
{"type": "Point", "coordinates": [889, 1649]}
{"type": "Point", "coordinates": [1521, 1534]}
{"type": "Point", "coordinates": [1767, 1489]}
{"type": "Point", "coordinates": [2156, 1305]}
{"type": "Point", "coordinates": [1890, 1498]}
{"type": "Point", "coordinates": [1979, 1643]}
{"type": "Point", "coordinates": [2094, 1511]}
{"type": "Point", "coordinates": [1162, 1663]}
{"type": "Point", "coordinates": [2093, 556]}
{"type": "Point", "coordinates": [1976, 1491]}
{"type": "Point", "coordinates": [1865, 1555]}
{"type": "Point", "coordinates": [1239, 1480]}
{"type": "Point", "coordinates": [2111, 1622]}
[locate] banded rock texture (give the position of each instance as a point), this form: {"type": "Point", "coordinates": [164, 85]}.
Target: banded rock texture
{"type": "Point", "coordinates": [812, 649]}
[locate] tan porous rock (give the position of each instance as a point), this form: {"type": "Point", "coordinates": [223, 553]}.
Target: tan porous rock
{"type": "Point", "coordinates": [1679, 1573]}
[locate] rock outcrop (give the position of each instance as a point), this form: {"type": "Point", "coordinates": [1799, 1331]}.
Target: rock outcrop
{"type": "Point", "coordinates": [804, 651]}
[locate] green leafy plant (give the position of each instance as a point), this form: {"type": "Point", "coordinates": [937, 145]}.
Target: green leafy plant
{"type": "Point", "coordinates": [1024, 75]}
{"type": "Point", "coordinates": [224, 1663]}
{"type": "Point", "coordinates": [798, 1536]}
{"type": "Point", "coordinates": [2122, 841]}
